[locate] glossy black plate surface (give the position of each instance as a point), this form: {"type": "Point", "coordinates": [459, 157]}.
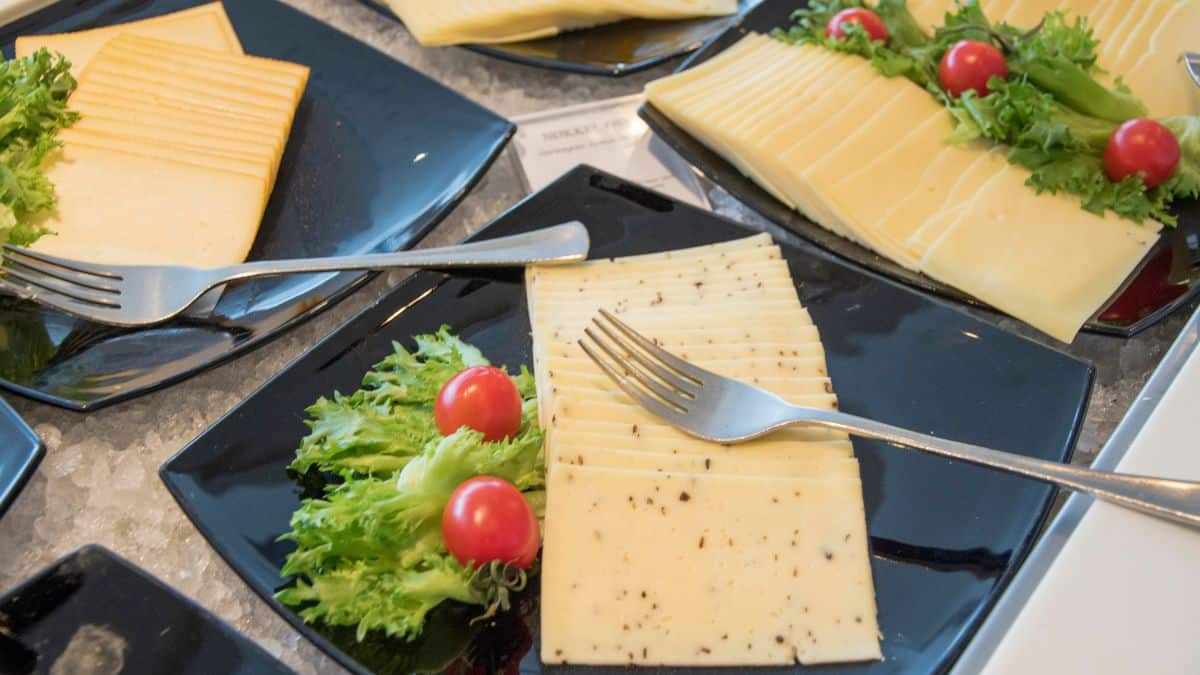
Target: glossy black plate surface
{"type": "Point", "coordinates": [378, 155]}
{"type": "Point", "coordinates": [94, 612]}
{"type": "Point", "coordinates": [946, 537]}
{"type": "Point", "coordinates": [615, 49]}
{"type": "Point", "coordinates": [20, 452]}
{"type": "Point", "coordinates": [1166, 280]}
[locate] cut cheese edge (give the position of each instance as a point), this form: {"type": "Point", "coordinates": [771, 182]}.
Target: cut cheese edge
{"type": "Point", "coordinates": [205, 26]}
{"type": "Point", "coordinates": [644, 568]}
{"type": "Point", "coordinates": [121, 208]}
{"type": "Point", "coordinates": [913, 191]}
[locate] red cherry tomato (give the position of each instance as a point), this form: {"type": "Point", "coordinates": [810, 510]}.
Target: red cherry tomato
{"type": "Point", "coordinates": [487, 519]}
{"type": "Point", "coordinates": [1142, 146]}
{"type": "Point", "coordinates": [969, 64]}
{"type": "Point", "coordinates": [482, 398]}
{"type": "Point", "coordinates": [869, 20]}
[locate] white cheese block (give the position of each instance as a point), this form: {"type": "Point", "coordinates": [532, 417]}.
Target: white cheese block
{"type": "Point", "coordinates": [697, 569]}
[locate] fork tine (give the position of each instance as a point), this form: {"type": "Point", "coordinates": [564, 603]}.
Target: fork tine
{"type": "Point", "coordinates": [655, 367]}
{"type": "Point", "coordinates": [70, 276]}
{"type": "Point", "coordinates": [677, 364]}
{"type": "Point", "coordinates": [61, 303]}
{"type": "Point", "coordinates": [645, 400]}
{"type": "Point", "coordinates": [674, 397]}
{"type": "Point", "coordinates": [52, 285]}
{"type": "Point", "coordinates": [77, 265]}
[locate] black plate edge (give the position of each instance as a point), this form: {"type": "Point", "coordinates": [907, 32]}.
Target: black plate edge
{"type": "Point", "coordinates": [159, 584]}
{"type": "Point", "coordinates": [7, 497]}
{"type": "Point", "coordinates": [654, 118]}
{"type": "Point", "coordinates": [1022, 552]}
{"type": "Point", "coordinates": [415, 292]}
{"type": "Point", "coordinates": [435, 218]}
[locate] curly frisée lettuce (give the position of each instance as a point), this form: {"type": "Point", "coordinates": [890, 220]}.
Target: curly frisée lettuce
{"type": "Point", "coordinates": [369, 552]}
{"type": "Point", "coordinates": [33, 107]}
{"type": "Point", "coordinates": [1052, 111]}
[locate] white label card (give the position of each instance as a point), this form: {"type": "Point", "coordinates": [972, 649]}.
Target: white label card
{"type": "Point", "coordinates": [608, 135]}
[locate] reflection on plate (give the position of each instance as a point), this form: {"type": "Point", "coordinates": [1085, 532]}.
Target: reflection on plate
{"type": "Point", "coordinates": [20, 452]}
{"type": "Point", "coordinates": [897, 356]}
{"type": "Point", "coordinates": [615, 49]}
{"type": "Point", "coordinates": [1167, 279]}
{"type": "Point", "coordinates": [378, 155]}
{"type": "Point", "coordinates": [94, 612]}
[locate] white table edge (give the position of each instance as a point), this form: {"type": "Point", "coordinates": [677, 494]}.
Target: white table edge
{"type": "Point", "coordinates": [1008, 608]}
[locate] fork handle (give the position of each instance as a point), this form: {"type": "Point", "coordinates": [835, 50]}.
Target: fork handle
{"type": "Point", "coordinates": [1174, 500]}
{"type": "Point", "coordinates": [558, 244]}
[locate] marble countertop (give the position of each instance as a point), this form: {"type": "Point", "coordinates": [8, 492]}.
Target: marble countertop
{"type": "Point", "coordinates": [99, 482]}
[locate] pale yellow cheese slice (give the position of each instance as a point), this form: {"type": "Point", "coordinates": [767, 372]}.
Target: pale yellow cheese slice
{"type": "Point", "coordinates": [121, 208]}
{"type": "Point", "coordinates": [645, 568]}
{"type": "Point", "coordinates": [605, 455]}
{"type": "Point", "coordinates": [1044, 260]}
{"type": "Point", "coordinates": [655, 440]}
{"type": "Point", "coordinates": [234, 162]}
{"type": "Point", "coordinates": [485, 21]}
{"type": "Point", "coordinates": [205, 26]}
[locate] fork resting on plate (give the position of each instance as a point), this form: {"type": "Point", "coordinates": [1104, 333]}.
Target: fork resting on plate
{"type": "Point", "coordinates": [723, 410]}
{"type": "Point", "coordinates": [140, 295]}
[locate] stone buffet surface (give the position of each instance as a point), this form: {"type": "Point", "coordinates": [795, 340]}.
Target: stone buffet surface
{"type": "Point", "coordinates": [99, 482]}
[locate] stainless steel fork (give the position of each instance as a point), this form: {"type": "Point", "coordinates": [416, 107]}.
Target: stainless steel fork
{"type": "Point", "coordinates": [723, 410]}
{"type": "Point", "coordinates": [128, 295]}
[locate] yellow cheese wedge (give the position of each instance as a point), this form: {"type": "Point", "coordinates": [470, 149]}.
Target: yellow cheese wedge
{"type": "Point", "coordinates": [159, 116]}
{"type": "Point", "coordinates": [260, 170]}
{"type": "Point", "coordinates": [179, 137]}
{"type": "Point", "coordinates": [205, 26]}
{"type": "Point", "coordinates": [120, 208]}
{"type": "Point", "coordinates": [611, 534]}
{"type": "Point", "coordinates": [199, 74]}
{"type": "Point", "coordinates": [130, 89]}
{"type": "Point", "coordinates": [150, 102]}
{"type": "Point", "coordinates": [248, 68]}
{"type": "Point", "coordinates": [184, 88]}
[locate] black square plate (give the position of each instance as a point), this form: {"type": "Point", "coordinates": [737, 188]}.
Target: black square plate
{"type": "Point", "coordinates": [615, 49]}
{"type": "Point", "coordinates": [378, 155]}
{"type": "Point", "coordinates": [94, 612]}
{"type": "Point", "coordinates": [946, 537]}
{"type": "Point", "coordinates": [1166, 280]}
{"type": "Point", "coordinates": [20, 452]}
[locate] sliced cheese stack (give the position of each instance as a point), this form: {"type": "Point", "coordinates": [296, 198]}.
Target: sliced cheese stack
{"type": "Point", "coordinates": [1141, 41]}
{"type": "Point", "coordinates": [174, 156]}
{"type": "Point", "coordinates": [205, 26]}
{"type": "Point", "coordinates": [661, 549]}
{"type": "Point", "coordinates": [865, 156]}
{"type": "Point", "coordinates": [485, 21]}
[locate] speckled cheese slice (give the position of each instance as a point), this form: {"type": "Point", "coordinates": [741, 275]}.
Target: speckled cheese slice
{"type": "Point", "coordinates": [646, 568]}
{"type": "Point", "coordinates": [204, 26]}
{"type": "Point", "coordinates": [601, 447]}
